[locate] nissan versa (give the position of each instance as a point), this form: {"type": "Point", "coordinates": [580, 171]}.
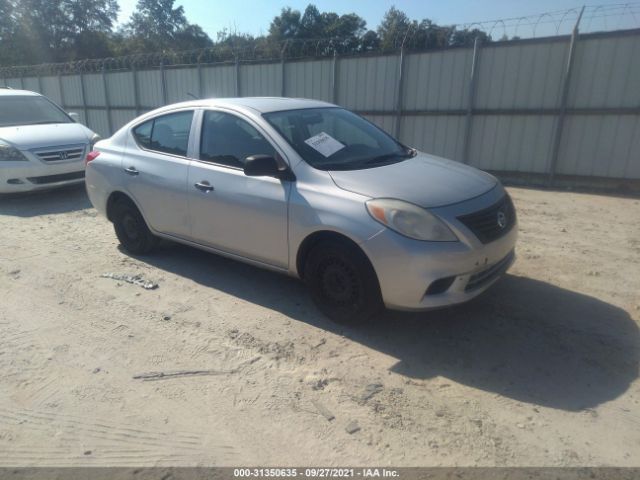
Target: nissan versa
{"type": "Point", "coordinates": [41, 146]}
{"type": "Point", "coordinates": [312, 190]}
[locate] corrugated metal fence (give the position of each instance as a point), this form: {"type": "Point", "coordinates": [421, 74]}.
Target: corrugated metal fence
{"type": "Point", "coordinates": [558, 107]}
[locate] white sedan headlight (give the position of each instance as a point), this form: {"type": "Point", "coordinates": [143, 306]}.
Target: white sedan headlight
{"type": "Point", "coordinates": [10, 154]}
{"type": "Point", "coordinates": [94, 139]}
{"type": "Point", "coordinates": [409, 220]}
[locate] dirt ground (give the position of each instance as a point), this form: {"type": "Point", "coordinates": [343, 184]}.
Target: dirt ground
{"type": "Point", "coordinates": [541, 370]}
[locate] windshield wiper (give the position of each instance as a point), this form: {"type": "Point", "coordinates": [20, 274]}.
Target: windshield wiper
{"type": "Point", "coordinates": [388, 156]}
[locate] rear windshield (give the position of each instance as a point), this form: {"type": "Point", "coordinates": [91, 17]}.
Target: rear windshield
{"type": "Point", "coordinates": [29, 110]}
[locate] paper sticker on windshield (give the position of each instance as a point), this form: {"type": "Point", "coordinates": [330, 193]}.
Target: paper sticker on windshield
{"type": "Point", "coordinates": [324, 144]}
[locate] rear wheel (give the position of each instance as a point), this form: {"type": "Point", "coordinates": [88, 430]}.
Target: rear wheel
{"type": "Point", "coordinates": [131, 229]}
{"type": "Point", "coordinates": [342, 282]}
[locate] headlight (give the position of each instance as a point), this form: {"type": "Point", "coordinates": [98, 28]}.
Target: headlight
{"type": "Point", "coordinates": [10, 154]}
{"type": "Point", "coordinates": [95, 139]}
{"type": "Point", "coordinates": [409, 220]}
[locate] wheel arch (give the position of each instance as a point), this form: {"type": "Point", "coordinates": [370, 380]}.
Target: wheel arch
{"type": "Point", "coordinates": [116, 196]}
{"type": "Point", "coordinates": [318, 237]}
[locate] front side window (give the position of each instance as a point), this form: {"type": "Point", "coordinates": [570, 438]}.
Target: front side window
{"type": "Point", "coordinates": [166, 134]}
{"type": "Point", "coordinates": [229, 140]}
{"type": "Point", "coordinates": [336, 139]}
{"type": "Point", "coordinates": [29, 110]}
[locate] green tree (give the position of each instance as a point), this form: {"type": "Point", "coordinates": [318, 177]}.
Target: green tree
{"type": "Point", "coordinates": [157, 25]}
{"type": "Point", "coordinates": [370, 42]}
{"type": "Point", "coordinates": [466, 38]}
{"type": "Point", "coordinates": [392, 29]}
{"type": "Point", "coordinates": [285, 26]}
{"type": "Point", "coordinates": [397, 30]}
{"type": "Point", "coordinates": [90, 23]}
{"type": "Point", "coordinates": [57, 30]}
{"type": "Point", "coordinates": [317, 32]}
{"type": "Point", "coordinates": [42, 31]}
{"type": "Point", "coordinates": [7, 29]}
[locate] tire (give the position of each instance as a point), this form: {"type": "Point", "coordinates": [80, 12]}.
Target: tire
{"type": "Point", "coordinates": [342, 282]}
{"type": "Point", "coordinates": [131, 229]}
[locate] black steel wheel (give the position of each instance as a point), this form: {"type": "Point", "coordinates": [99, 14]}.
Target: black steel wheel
{"type": "Point", "coordinates": [131, 229]}
{"type": "Point", "coordinates": [342, 282]}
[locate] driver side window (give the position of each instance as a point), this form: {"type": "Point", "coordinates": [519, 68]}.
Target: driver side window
{"type": "Point", "coordinates": [229, 140]}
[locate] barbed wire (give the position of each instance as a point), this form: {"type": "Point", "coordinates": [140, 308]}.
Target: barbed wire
{"type": "Point", "coordinates": [595, 18]}
{"type": "Point", "coordinates": [562, 21]}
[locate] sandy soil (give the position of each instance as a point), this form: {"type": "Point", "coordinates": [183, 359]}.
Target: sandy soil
{"type": "Point", "coordinates": [540, 370]}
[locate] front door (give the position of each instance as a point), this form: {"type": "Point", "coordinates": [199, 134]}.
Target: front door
{"type": "Point", "coordinates": [229, 211]}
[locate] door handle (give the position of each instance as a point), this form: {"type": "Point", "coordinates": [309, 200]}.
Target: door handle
{"type": "Point", "coordinates": [204, 186]}
{"type": "Point", "coordinates": [131, 171]}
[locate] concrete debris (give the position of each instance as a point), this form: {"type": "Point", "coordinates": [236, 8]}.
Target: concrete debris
{"type": "Point", "coordinates": [324, 411]}
{"type": "Point", "coordinates": [352, 427]}
{"type": "Point", "coordinates": [132, 279]}
{"type": "Point", "coordinates": [146, 377]}
{"type": "Point", "coordinates": [370, 390]}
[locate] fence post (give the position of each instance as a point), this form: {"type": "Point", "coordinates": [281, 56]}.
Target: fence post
{"type": "Point", "coordinates": [136, 89]}
{"type": "Point", "coordinates": [473, 80]}
{"type": "Point", "coordinates": [200, 82]}
{"type": "Point", "coordinates": [163, 83]}
{"type": "Point", "coordinates": [400, 93]}
{"type": "Point", "coordinates": [62, 102]}
{"type": "Point", "coordinates": [83, 96]}
{"type": "Point", "coordinates": [107, 101]}
{"type": "Point", "coordinates": [237, 77]}
{"type": "Point", "coordinates": [39, 84]}
{"type": "Point", "coordinates": [282, 85]}
{"type": "Point", "coordinates": [566, 81]}
{"type": "Point", "coordinates": [334, 78]}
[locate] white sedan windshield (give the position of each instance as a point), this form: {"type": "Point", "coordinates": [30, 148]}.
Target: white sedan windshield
{"type": "Point", "coordinates": [29, 110]}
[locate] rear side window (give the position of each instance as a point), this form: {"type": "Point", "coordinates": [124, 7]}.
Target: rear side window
{"type": "Point", "coordinates": [143, 134]}
{"type": "Point", "coordinates": [229, 140]}
{"type": "Point", "coordinates": [166, 134]}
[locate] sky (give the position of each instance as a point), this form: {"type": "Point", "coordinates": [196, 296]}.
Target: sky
{"type": "Point", "coordinates": [254, 17]}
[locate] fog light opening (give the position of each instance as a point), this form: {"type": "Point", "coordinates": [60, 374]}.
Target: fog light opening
{"type": "Point", "coordinates": [440, 286]}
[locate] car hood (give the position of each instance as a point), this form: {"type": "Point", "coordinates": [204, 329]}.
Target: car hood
{"type": "Point", "coordinates": [424, 180]}
{"type": "Point", "coordinates": [25, 137]}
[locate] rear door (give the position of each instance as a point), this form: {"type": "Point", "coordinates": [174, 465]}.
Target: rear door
{"type": "Point", "coordinates": [156, 166]}
{"type": "Point", "coordinates": [242, 215]}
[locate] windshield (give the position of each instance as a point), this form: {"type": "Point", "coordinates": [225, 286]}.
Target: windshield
{"type": "Point", "coordinates": [337, 139]}
{"type": "Point", "coordinates": [29, 110]}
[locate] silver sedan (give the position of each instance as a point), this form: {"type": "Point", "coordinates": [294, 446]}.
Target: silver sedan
{"type": "Point", "coordinates": [312, 190]}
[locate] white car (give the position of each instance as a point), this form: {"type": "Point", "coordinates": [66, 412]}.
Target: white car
{"type": "Point", "coordinates": [41, 146]}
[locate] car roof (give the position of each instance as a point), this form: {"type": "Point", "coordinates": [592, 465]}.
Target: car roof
{"type": "Point", "coordinates": [258, 104]}
{"type": "Point", "coordinates": [11, 92]}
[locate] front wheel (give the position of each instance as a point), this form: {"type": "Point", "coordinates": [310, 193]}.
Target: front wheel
{"type": "Point", "coordinates": [132, 230]}
{"type": "Point", "coordinates": [342, 282]}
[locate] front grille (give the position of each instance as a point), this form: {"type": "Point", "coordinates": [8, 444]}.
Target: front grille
{"type": "Point", "coordinates": [57, 178]}
{"type": "Point", "coordinates": [478, 280]}
{"type": "Point", "coordinates": [61, 154]}
{"type": "Point", "coordinates": [492, 222]}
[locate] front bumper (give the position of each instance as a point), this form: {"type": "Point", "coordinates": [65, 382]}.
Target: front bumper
{"type": "Point", "coordinates": [34, 174]}
{"type": "Point", "coordinates": [407, 268]}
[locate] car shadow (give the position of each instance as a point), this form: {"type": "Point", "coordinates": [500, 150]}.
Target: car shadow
{"type": "Point", "coordinates": [47, 202]}
{"type": "Point", "coordinates": [524, 339]}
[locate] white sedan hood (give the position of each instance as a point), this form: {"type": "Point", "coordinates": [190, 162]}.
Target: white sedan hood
{"type": "Point", "coordinates": [26, 137]}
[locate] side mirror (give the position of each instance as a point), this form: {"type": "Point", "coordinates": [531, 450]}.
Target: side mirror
{"type": "Point", "coordinates": [266, 166]}
{"type": "Point", "coordinates": [74, 116]}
